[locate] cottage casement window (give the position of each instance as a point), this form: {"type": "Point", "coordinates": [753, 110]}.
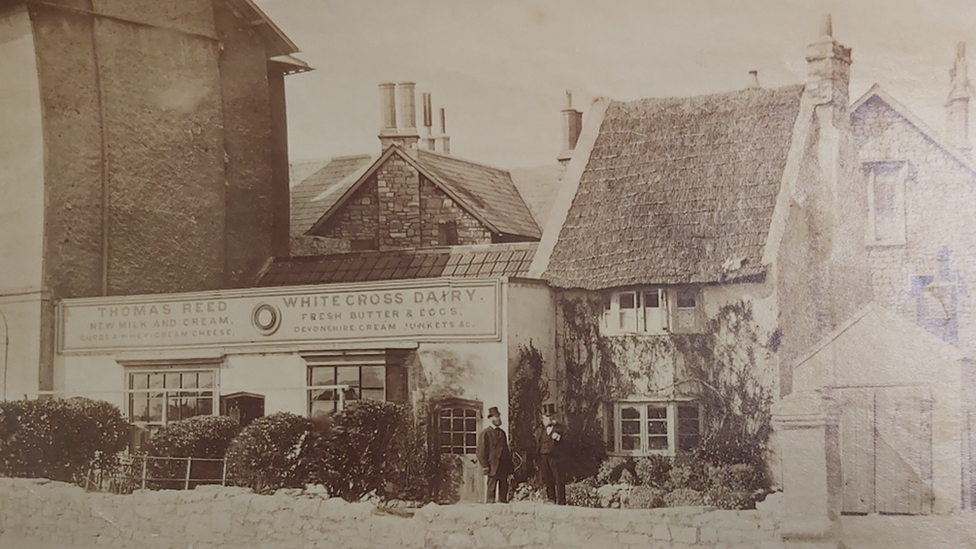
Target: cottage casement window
{"type": "Point", "coordinates": [337, 378]}
{"type": "Point", "coordinates": [653, 427]}
{"type": "Point", "coordinates": [157, 397]}
{"type": "Point", "coordinates": [457, 429]}
{"type": "Point", "coordinates": [886, 202]}
{"type": "Point", "coordinates": [650, 311]}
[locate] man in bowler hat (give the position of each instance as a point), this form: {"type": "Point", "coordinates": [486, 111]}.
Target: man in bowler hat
{"type": "Point", "coordinates": [495, 458]}
{"type": "Point", "coordinates": [551, 443]}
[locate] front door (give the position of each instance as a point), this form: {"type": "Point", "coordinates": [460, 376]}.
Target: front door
{"type": "Point", "coordinates": [458, 425]}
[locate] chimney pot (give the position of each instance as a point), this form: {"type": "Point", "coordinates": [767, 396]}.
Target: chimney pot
{"type": "Point", "coordinates": [388, 109]}
{"type": "Point", "coordinates": [957, 107]}
{"type": "Point", "coordinates": [408, 108]}
{"type": "Point", "coordinates": [826, 25]}
{"type": "Point", "coordinates": [444, 139]}
{"type": "Point", "coordinates": [754, 79]}
{"type": "Point", "coordinates": [572, 127]}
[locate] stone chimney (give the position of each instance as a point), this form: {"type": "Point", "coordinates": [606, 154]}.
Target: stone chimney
{"type": "Point", "coordinates": [428, 141]}
{"type": "Point", "coordinates": [957, 107]}
{"type": "Point", "coordinates": [444, 138]}
{"type": "Point", "coordinates": [572, 126]}
{"type": "Point", "coordinates": [754, 79]}
{"type": "Point", "coordinates": [829, 73]}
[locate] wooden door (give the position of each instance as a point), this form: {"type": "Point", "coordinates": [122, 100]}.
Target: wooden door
{"type": "Point", "coordinates": [886, 450]}
{"type": "Point", "coordinates": [458, 425]}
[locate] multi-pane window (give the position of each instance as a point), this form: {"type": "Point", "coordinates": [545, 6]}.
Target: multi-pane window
{"type": "Point", "coordinates": [457, 429]}
{"type": "Point", "coordinates": [886, 202]}
{"type": "Point", "coordinates": [647, 311]}
{"type": "Point", "coordinates": [158, 397]}
{"type": "Point", "coordinates": [335, 378]}
{"type": "Point", "coordinates": [641, 428]}
{"type": "Point", "coordinates": [331, 386]}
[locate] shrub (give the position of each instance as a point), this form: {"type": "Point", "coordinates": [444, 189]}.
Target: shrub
{"type": "Point", "coordinates": [580, 494]}
{"type": "Point", "coordinates": [646, 497]}
{"type": "Point", "coordinates": [611, 469]}
{"type": "Point", "coordinates": [415, 471]}
{"type": "Point", "coordinates": [653, 470]}
{"type": "Point", "coordinates": [361, 447]}
{"type": "Point", "coordinates": [198, 437]}
{"type": "Point", "coordinates": [736, 486]}
{"type": "Point", "coordinates": [691, 475]}
{"type": "Point", "coordinates": [59, 439]}
{"type": "Point", "coordinates": [683, 497]}
{"type": "Point", "coordinates": [282, 450]}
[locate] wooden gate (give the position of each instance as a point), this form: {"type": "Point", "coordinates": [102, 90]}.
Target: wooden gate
{"type": "Point", "coordinates": [886, 450]}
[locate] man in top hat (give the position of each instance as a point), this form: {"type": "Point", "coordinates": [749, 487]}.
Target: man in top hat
{"type": "Point", "coordinates": [495, 458]}
{"type": "Point", "coordinates": [551, 443]}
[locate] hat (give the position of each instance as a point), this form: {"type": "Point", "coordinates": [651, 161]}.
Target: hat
{"type": "Point", "coordinates": [493, 411]}
{"type": "Point", "coordinates": [549, 409]}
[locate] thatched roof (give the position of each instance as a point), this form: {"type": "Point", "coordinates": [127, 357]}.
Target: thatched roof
{"type": "Point", "coordinates": [677, 191]}
{"type": "Point", "coordinates": [318, 191]}
{"type": "Point", "coordinates": [492, 260]}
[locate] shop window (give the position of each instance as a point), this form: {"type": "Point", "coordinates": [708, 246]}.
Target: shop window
{"type": "Point", "coordinates": [337, 378]}
{"type": "Point", "coordinates": [648, 311]}
{"type": "Point", "coordinates": [643, 428]}
{"type": "Point", "coordinates": [159, 396]}
{"type": "Point", "coordinates": [886, 202]}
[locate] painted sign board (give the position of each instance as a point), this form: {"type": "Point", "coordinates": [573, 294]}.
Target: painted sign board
{"type": "Point", "coordinates": [425, 310]}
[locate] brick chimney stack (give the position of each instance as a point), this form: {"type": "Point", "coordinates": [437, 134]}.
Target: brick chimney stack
{"type": "Point", "coordinates": [572, 126]}
{"type": "Point", "coordinates": [829, 73]}
{"type": "Point", "coordinates": [957, 106]}
{"type": "Point", "coordinates": [428, 141]}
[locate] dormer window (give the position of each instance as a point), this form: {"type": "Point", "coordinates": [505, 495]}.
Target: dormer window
{"type": "Point", "coordinates": [650, 311]}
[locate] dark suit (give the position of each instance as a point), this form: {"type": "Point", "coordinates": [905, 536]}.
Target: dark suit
{"type": "Point", "coordinates": [552, 452]}
{"type": "Point", "coordinates": [496, 460]}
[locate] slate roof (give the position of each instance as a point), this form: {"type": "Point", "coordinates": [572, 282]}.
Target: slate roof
{"type": "Point", "coordinates": [308, 202]}
{"type": "Point", "coordinates": [511, 260]}
{"type": "Point", "coordinates": [489, 191]}
{"type": "Point", "coordinates": [677, 191]}
{"type": "Point", "coordinates": [539, 186]}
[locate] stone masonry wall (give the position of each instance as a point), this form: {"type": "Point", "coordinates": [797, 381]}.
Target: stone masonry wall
{"type": "Point", "coordinates": [395, 209]}
{"type": "Point", "coordinates": [939, 192]}
{"type": "Point", "coordinates": [436, 208]}
{"type": "Point", "coordinates": [215, 517]}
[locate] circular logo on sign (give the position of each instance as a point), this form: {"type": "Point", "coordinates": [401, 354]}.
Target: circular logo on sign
{"type": "Point", "coordinates": [266, 319]}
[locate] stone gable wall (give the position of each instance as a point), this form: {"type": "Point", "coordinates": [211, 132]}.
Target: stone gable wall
{"type": "Point", "coordinates": [939, 193]}
{"type": "Point", "coordinates": [397, 208]}
{"type": "Point", "coordinates": [215, 517]}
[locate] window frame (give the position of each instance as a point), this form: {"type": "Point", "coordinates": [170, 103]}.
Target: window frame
{"type": "Point", "coordinates": [898, 219]}
{"type": "Point", "coordinates": [639, 322]}
{"type": "Point", "coordinates": [614, 427]}
{"type": "Point", "coordinates": [387, 362]}
{"type": "Point", "coordinates": [144, 429]}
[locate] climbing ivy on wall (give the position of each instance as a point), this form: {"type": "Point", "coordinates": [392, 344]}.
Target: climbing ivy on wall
{"type": "Point", "coordinates": [529, 390]}
{"type": "Point", "coordinates": [724, 366]}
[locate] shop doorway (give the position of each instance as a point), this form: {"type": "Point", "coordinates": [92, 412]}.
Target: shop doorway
{"type": "Point", "coordinates": [458, 424]}
{"type": "Point", "coordinates": [243, 407]}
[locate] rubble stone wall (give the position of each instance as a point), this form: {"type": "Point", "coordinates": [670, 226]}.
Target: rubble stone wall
{"type": "Point", "coordinates": [215, 517]}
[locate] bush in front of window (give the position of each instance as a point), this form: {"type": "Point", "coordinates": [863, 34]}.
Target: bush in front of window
{"type": "Point", "coordinates": [653, 470]}
{"type": "Point", "coordinates": [206, 437]}
{"type": "Point", "coordinates": [684, 497]}
{"type": "Point", "coordinates": [612, 468]}
{"type": "Point", "coordinates": [59, 439]}
{"type": "Point", "coordinates": [281, 450]}
{"type": "Point", "coordinates": [646, 497]}
{"type": "Point", "coordinates": [363, 436]}
{"type": "Point", "coordinates": [582, 494]}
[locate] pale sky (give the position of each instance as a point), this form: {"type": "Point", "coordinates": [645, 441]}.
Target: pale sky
{"type": "Point", "coordinates": [501, 67]}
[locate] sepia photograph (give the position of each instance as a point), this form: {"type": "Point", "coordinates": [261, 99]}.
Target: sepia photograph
{"type": "Point", "coordinates": [316, 274]}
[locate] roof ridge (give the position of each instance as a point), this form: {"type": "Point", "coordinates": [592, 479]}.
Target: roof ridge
{"type": "Point", "coordinates": [709, 95]}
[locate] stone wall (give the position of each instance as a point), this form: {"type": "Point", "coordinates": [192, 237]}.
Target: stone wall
{"type": "Point", "coordinates": [214, 517]}
{"type": "Point", "coordinates": [395, 209]}
{"type": "Point", "coordinates": [938, 193]}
